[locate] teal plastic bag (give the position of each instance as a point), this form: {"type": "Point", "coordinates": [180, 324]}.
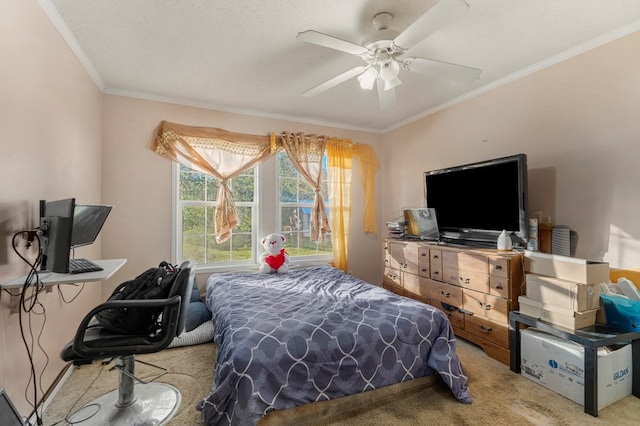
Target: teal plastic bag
{"type": "Point", "coordinates": [622, 313]}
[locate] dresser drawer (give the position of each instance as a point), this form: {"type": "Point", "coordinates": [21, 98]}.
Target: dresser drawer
{"type": "Point", "coordinates": [487, 329]}
{"type": "Point", "coordinates": [485, 305]}
{"type": "Point", "coordinates": [441, 292]}
{"type": "Point", "coordinates": [415, 285]}
{"type": "Point", "coordinates": [499, 267]}
{"type": "Point", "coordinates": [435, 272]}
{"type": "Point", "coordinates": [466, 261]}
{"type": "Point", "coordinates": [435, 256]}
{"type": "Point", "coordinates": [499, 286]}
{"type": "Point", "coordinates": [406, 256]}
{"type": "Point", "coordinates": [392, 276]}
{"type": "Point", "coordinates": [456, 317]}
{"type": "Point", "coordinates": [467, 279]}
{"type": "Point", "coordinates": [424, 269]}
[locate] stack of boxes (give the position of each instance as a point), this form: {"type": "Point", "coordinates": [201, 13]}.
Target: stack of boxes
{"type": "Point", "coordinates": [564, 291]}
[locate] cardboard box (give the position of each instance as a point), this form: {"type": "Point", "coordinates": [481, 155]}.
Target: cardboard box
{"type": "Point", "coordinates": [562, 293]}
{"type": "Point", "coordinates": [555, 315]}
{"type": "Point", "coordinates": [558, 365]}
{"type": "Point", "coordinates": [566, 268]}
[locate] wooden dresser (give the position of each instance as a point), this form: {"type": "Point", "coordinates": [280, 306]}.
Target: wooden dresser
{"type": "Point", "coordinates": [475, 287]}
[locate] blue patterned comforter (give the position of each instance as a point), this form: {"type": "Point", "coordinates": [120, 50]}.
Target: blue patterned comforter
{"type": "Point", "coordinates": [316, 334]}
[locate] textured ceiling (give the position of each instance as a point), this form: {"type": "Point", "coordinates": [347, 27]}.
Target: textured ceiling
{"type": "Point", "coordinates": [243, 56]}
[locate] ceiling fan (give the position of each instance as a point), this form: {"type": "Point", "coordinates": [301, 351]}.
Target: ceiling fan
{"type": "Point", "coordinates": [384, 55]}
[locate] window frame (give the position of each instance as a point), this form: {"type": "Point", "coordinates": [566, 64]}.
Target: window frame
{"type": "Point", "coordinates": [267, 199]}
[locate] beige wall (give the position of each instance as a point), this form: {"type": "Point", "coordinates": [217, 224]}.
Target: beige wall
{"type": "Point", "coordinates": [50, 127]}
{"type": "Point", "coordinates": [577, 121]}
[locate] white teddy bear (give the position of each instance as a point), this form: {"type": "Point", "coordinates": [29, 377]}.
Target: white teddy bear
{"type": "Point", "coordinates": [276, 258]}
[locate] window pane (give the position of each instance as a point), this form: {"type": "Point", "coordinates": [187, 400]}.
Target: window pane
{"type": "Point", "coordinates": [212, 188]}
{"type": "Point", "coordinates": [191, 185]}
{"type": "Point", "coordinates": [193, 248]}
{"type": "Point", "coordinates": [241, 247]}
{"type": "Point", "coordinates": [192, 220]}
{"type": "Point", "coordinates": [244, 219]}
{"type": "Point", "coordinates": [243, 188]}
{"type": "Point", "coordinates": [288, 190]}
{"type": "Point", "coordinates": [218, 252]}
{"type": "Point", "coordinates": [306, 192]}
{"type": "Point", "coordinates": [285, 167]}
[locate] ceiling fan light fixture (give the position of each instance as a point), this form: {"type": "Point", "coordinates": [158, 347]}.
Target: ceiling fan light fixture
{"type": "Point", "coordinates": [390, 84]}
{"type": "Point", "coordinates": [389, 70]}
{"type": "Point", "coordinates": [367, 78]}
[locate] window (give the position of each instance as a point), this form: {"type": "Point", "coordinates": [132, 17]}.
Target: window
{"type": "Point", "coordinates": [296, 199]}
{"type": "Point", "coordinates": [196, 196]}
{"type": "Point", "coordinates": [195, 210]}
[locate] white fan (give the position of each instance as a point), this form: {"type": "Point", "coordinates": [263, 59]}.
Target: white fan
{"type": "Point", "coordinates": [384, 55]}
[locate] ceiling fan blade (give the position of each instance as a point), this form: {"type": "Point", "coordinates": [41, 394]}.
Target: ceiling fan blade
{"type": "Point", "coordinates": [335, 81]}
{"type": "Point", "coordinates": [441, 69]}
{"type": "Point", "coordinates": [331, 42]}
{"type": "Point", "coordinates": [439, 16]}
{"type": "Point", "coordinates": [386, 98]}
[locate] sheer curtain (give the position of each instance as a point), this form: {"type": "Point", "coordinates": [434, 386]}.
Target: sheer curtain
{"type": "Point", "coordinates": [339, 166]}
{"type": "Point", "coordinates": [306, 153]}
{"type": "Point", "coordinates": [216, 152]}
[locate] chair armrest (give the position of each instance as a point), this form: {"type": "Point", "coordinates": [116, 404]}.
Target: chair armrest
{"type": "Point", "coordinates": [112, 304]}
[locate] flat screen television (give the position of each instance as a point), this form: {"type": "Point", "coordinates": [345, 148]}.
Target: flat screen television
{"type": "Point", "coordinates": [475, 202]}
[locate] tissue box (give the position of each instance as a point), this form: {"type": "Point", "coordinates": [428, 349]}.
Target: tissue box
{"type": "Point", "coordinates": [562, 293]}
{"type": "Point", "coordinates": [558, 365]}
{"type": "Point", "coordinates": [566, 268]}
{"type": "Point", "coordinates": [555, 315]}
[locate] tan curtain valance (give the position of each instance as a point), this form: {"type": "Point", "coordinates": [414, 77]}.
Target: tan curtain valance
{"type": "Point", "coordinates": [218, 153]}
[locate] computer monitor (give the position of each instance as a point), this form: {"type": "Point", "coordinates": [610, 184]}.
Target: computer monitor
{"type": "Point", "coordinates": [87, 223]}
{"type": "Point", "coordinates": [56, 226]}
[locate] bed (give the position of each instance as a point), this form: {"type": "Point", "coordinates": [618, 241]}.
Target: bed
{"type": "Point", "coordinates": [316, 334]}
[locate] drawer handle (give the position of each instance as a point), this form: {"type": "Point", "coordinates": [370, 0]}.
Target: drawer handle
{"type": "Point", "coordinates": [404, 265]}
{"type": "Point", "coordinates": [442, 293]}
{"type": "Point", "coordinates": [464, 280]}
{"type": "Point", "coordinates": [435, 257]}
{"type": "Point", "coordinates": [499, 287]}
{"type": "Point", "coordinates": [424, 270]}
{"type": "Point", "coordinates": [485, 306]}
{"type": "Point", "coordinates": [436, 273]}
{"type": "Point", "coordinates": [485, 330]}
{"type": "Point", "coordinates": [423, 254]}
{"type": "Point", "coordinates": [498, 267]}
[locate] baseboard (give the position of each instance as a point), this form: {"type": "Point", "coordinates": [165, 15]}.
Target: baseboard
{"type": "Point", "coordinates": [52, 391]}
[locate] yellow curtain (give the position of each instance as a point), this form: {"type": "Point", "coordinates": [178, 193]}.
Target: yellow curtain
{"type": "Point", "coordinates": [367, 168]}
{"type": "Point", "coordinates": [218, 153]}
{"type": "Point", "coordinates": [339, 166]}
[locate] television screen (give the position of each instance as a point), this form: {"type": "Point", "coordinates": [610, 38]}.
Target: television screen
{"type": "Point", "coordinates": [475, 202]}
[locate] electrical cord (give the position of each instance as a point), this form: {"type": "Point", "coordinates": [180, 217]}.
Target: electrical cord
{"type": "Point", "coordinates": [70, 414]}
{"type": "Point", "coordinates": [26, 308]}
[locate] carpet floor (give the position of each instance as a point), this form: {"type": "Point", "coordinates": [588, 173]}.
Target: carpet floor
{"type": "Point", "coordinates": [500, 397]}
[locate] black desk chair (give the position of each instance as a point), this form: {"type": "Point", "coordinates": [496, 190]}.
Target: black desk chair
{"type": "Point", "coordinates": [152, 403]}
